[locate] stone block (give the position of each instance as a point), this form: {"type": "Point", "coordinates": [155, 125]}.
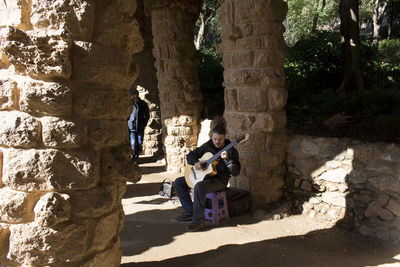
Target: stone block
{"type": "Point", "coordinates": [277, 98]}
{"type": "Point", "coordinates": [252, 100]}
{"type": "Point", "coordinates": [77, 16]}
{"type": "Point", "coordinates": [4, 63]}
{"type": "Point", "coordinates": [34, 245]}
{"type": "Point", "coordinates": [277, 140]}
{"type": "Point", "coordinates": [1, 169]}
{"type": "Point", "coordinates": [63, 133]}
{"type": "Point", "coordinates": [263, 78]}
{"type": "Point", "coordinates": [306, 186]}
{"type": "Point", "coordinates": [394, 206]}
{"type": "Point", "coordinates": [272, 42]}
{"type": "Point", "coordinates": [117, 31]}
{"type": "Point", "coordinates": [256, 143]}
{"type": "Point", "coordinates": [261, 28]}
{"type": "Point", "coordinates": [42, 55]}
{"type": "Point", "coordinates": [18, 129]}
{"type": "Point", "coordinates": [52, 208]}
{"type": "Point", "coordinates": [15, 13]}
{"type": "Point", "coordinates": [334, 198]}
{"type": "Point", "coordinates": [4, 240]}
{"type": "Point", "coordinates": [237, 59]}
{"type": "Point", "coordinates": [269, 58]}
{"type": "Point", "coordinates": [105, 230]}
{"type": "Point", "coordinates": [93, 202]}
{"type": "Point", "coordinates": [231, 99]}
{"type": "Point", "coordinates": [116, 165]}
{"type": "Point", "coordinates": [385, 183]}
{"type": "Point", "coordinates": [50, 169]}
{"type": "Point", "coordinates": [111, 256]}
{"type": "Point", "coordinates": [309, 147]}
{"type": "Point", "coordinates": [103, 65]}
{"type": "Point", "coordinates": [249, 158]}
{"type": "Point", "coordinates": [107, 133]}
{"type": "Point", "coordinates": [45, 98]}
{"type": "Point", "coordinates": [15, 206]}
{"type": "Point", "coordinates": [396, 223]}
{"type": "Point", "coordinates": [100, 103]}
{"type": "Point", "coordinates": [335, 176]}
{"type": "Point", "coordinates": [8, 94]}
{"type": "Point", "coordinates": [374, 209]}
{"type": "Point", "coordinates": [260, 10]}
{"type": "Point", "coordinates": [271, 159]}
{"type": "Point", "coordinates": [274, 188]}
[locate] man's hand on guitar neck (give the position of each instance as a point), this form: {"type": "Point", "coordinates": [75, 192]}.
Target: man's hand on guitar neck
{"type": "Point", "coordinates": [224, 155]}
{"type": "Point", "coordinates": [198, 165]}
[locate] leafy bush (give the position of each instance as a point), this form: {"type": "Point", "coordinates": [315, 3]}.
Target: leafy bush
{"type": "Point", "coordinates": [313, 73]}
{"type": "Point", "coordinates": [210, 73]}
{"type": "Point", "coordinates": [315, 63]}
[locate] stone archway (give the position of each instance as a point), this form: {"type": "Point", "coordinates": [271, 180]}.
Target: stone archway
{"type": "Point", "coordinates": [176, 64]}
{"type": "Point", "coordinates": [65, 69]}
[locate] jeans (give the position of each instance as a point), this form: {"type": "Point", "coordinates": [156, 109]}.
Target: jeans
{"type": "Point", "coordinates": [136, 139]}
{"type": "Point", "coordinates": [208, 185]}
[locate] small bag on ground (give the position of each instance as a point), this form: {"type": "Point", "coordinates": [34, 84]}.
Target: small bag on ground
{"type": "Point", "coordinates": [167, 188]}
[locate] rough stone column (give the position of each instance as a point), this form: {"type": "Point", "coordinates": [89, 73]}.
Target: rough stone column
{"type": "Point", "coordinates": [179, 88]}
{"type": "Point", "coordinates": [147, 84]}
{"type": "Point", "coordinates": [65, 68]}
{"type": "Point", "coordinates": [255, 94]}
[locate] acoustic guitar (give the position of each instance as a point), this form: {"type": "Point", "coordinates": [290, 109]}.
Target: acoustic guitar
{"type": "Point", "coordinates": [208, 164]}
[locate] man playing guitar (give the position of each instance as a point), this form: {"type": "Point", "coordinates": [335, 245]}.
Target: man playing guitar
{"type": "Point", "coordinates": [228, 164]}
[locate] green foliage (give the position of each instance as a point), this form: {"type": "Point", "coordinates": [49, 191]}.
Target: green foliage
{"type": "Point", "coordinates": [212, 31]}
{"type": "Point", "coordinates": [382, 65]}
{"type": "Point", "coordinates": [210, 73]}
{"type": "Point", "coordinates": [313, 73]}
{"type": "Point", "coordinates": [315, 63]}
{"type": "Point", "coordinates": [390, 50]}
{"type": "Point", "coordinates": [301, 15]}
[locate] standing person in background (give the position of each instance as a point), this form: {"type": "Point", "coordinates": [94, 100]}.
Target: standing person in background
{"type": "Point", "coordinates": [137, 121]}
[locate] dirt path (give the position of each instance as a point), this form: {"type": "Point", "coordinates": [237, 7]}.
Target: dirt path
{"type": "Point", "coordinates": [152, 237]}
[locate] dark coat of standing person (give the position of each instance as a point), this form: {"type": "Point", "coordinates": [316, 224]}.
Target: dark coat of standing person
{"type": "Point", "coordinates": [137, 122]}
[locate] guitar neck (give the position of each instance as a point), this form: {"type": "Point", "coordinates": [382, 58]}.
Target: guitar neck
{"type": "Point", "coordinates": [210, 160]}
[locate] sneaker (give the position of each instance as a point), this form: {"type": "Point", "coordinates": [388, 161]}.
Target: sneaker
{"type": "Point", "coordinates": [195, 226]}
{"type": "Point", "coordinates": [185, 217]}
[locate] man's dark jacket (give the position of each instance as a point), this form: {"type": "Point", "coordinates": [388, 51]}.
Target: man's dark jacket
{"type": "Point", "coordinates": [225, 168]}
{"type": "Point", "coordinates": [143, 117]}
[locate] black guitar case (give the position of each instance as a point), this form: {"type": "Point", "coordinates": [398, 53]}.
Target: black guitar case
{"type": "Point", "coordinates": [239, 201]}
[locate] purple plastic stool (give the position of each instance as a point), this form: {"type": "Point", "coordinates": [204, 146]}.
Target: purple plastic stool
{"type": "Point", "coordinates": [219, 207]}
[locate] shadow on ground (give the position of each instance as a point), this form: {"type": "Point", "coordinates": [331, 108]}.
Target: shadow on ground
{"type": "Point", "coordinates": [153, 225]}
{"type": "Point", "coordinates": [313, 249]}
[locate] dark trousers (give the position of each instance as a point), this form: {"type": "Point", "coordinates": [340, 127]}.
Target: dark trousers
{"type": "Point", "coordinates": [208, 185]}
{"type": "Point", "coordinates": [136, 140]}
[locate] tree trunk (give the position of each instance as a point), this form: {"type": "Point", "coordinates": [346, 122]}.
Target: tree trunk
{"type": "Point", "coordinates": [376, 24]}
{"type": "Point", "coordinates": [352, 76]}
{"type": "Point", "coordinates": [200, 34]}
{"type": "Point", "coordinates": [316, 17]}
{"type": "Point", "coordinates": [377, 19]}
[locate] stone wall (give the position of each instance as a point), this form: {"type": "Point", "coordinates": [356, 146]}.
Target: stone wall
{"type": "Point", "coordinates": [179, 90]}
{"type": "Point", "coordinates": [255, 94]}
{"type": "Point", "coordinates": [65, 69]}
{"type": "Point", "coordinates": [348, 182]}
